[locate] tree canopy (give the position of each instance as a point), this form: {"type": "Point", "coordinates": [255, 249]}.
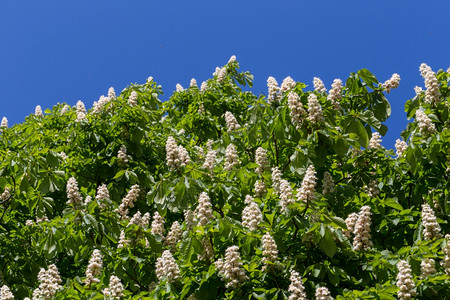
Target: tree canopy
{"type": "Point", "coordinates": [219, 193]}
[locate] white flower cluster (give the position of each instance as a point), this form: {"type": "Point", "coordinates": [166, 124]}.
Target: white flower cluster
{"type": "Point", "coordinates": [115, 288]}
{"type": "Point", "coordinates": [128, 201]}
{"type": "Point", "coordinates": [122, 155]}
{"type": "Point", "coordinates": [405, 281]}
{"type": "Point", "coordinates": [44, 218]}
{"type": "Point", "coordinates": [87, 200]}
{"type": "Point", "coordinates": [296, 107]}
{"type": "Point", "coordinates": [276, 179]}
{"type": "Point", "coordinates": [335, 93]}
{"type": "Point", "coordinates": [425, 124]}
{"type": "Point", "coordinates": [222, 74]}
{"type": "Point", "coordinates": [322, 293]}
{"type": "Point", "coordinates": [5, 293]}
{"type": "Point", "coordinates": [179, 87]}
{"type": "Point", "coordinates": [350, 222]}
{"type": "Point", "coordinates": [446, 250]}
{"type": "Point", "coordinates": [6, 194]}
{"type": "Point", "coordinates": [231, 121]}
{"type": "Point", "coordinates": [251, 215]}
{"type": "Point", "coordinates": [176, 156]}
{"type": "Point", "coordinates": [314, 110]}
{"type": "Point", "coordinates": [375, 141]}
{"type": "Point", "coordinates": [38, 111]}
{"type": "Point", "coordinates": [424, 69]}
{"type": "Point", "coordinates": [94, 268]}
{"type": "Point", "coordinates": [140, 220]}
{"type": "Point", "coordinates": [209, 144]}
{"type": "Point", "coordinates": [373, 189]}
{"type": "Point", "coordinates": [63, 155]}
{"type": "Point", "coordinates": [102, 193]}
{"type": "Point", "coordinates": [418, 90]}
{"type": "Point", "coordinates": [193, 83]}
{"type": "Point", "coordinates": [122, 240]}
{"type": "Point", "coordinates": [362, 240]}
{"type": "Point", "coordinates": [431, 228]}
{"type": "Point", "coordinates": [210, 160]}
{"type": "Point", "coordinates": [261, 160]}
{"type": "Point", "coordinates": [270, 251]}
{"type": "Point", "coordinates": [203, 86]}
{"type": "Point", "coordinates": [49, 283]}
{"type": "Point", "coordinates": [432, 93]}
{"type": "Point", "coordinates": [208, 250]}
{"type": "Point", "coordinates": [111, 93]}
{"type": "Point", "coordinates": [296, 287]}
{"type": "Point", "coordinates": [231, 157]}
{"type": "Point", "coordinates": [427, 267]}
{"type": "Point", "coordinates": [273, 89]}
{"type": "Point", "coordinates": [73, 194]}
{"type": "Point", "coordinates": [65, 109]}
{"type": "Point", "coordinates": [286, 195]}
{"type": "Point", "coordinates": [400, 147]}
{"type": "Point", "coordinates": [4, 123]}
{"type": "Point", "coordinates": [328, 183]}
{"type": "Point", "coordinates": [174, 236]}
{"type": "Point", "coordinates": [132, 100]}
{"type": "Point", "coordinates": [308, 187]}
{"type": "Point", "coordinates": [166, 267]}
{"type": "Point", "coordinates": [81, 111]}
{"type": "Point", "coordinates": [203, 211]}
{"type": "Point", "coordinates": [201, 109]}
{"type": "Point", "coordinates": [392, 83]}
{"type": "Point", "coordinates": [158, 224]}
{"type": "Point", "coordinates": [102, 101]}
{"type": "Point", "coordinates": [149, 79]}
{"type": "Point", "coordinates": [231, 269]}
{"type": "Point", "coordinates": [189, 218]}
{"type": "Point", "coordinates": [232, 59]}
{"type": "Point", "coordinates": [260, 188]}
{"type": "Point", "coordinates": [287, 84]}
{"type": "Point", "coordinates": [318, 85]}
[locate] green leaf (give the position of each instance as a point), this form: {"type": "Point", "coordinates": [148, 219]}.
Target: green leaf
{"type": "Point", "coordinates": [187, 249]}
{"type": "Point", "coordinates": [340, 147]}
{"type": "Point", "coordinates": [154, 244]}
{"type": "Point", "coordinates": [119, 175]}
{"type": "Point", "coordinates": [356, 127]}
{"type": "Point", "coordinates": [393, 203]}
{"type": "Point", "coordinates": [380, 107]}
{"type": "Point", "coordinates": [328, 245]}
{"type": "Point", "coordinates": [336, 221]}
{"type": "Point", "coordinates": [52, 159]}
{"type": "Point", "coordinates": [44, 187]}
{"type": "Point", "coordinates": [368, 78]}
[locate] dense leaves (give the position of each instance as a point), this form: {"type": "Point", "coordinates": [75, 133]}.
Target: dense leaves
{"type": "Point", "coordinates": [121, 143]}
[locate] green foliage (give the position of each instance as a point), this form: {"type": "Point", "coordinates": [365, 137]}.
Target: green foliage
{"type": "Point", "coordinates": [40, 155]}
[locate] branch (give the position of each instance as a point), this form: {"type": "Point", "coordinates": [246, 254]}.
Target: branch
{"type": "Point", "coordinates": [295, 234]}
{"type": "Point", "coordinates": [219, 210]}
{"type": "Point", "coordinates": [135, 280]}
{"type": "Point", "coordinates": [276, 147]}
{"type": "Point", "coordinates": [287, 164]}
{"type": "Point", "coordinates": [306, 208]}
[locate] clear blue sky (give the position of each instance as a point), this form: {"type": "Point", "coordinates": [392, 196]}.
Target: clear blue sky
{"type": "Point", "coordinates": [65, 51]}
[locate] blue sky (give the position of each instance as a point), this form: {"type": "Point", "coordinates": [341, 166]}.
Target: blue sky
{"type": "Point", "coordinates": [65, 51]}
